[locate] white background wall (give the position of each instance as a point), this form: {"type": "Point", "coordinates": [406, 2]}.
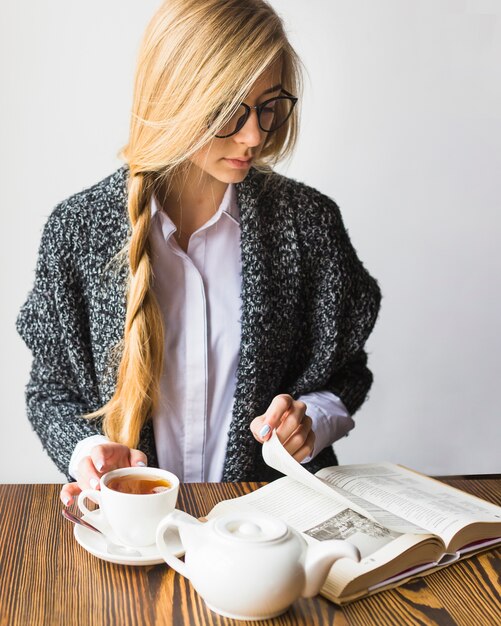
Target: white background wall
{"type": "Point", "coordinates": [401, 126]}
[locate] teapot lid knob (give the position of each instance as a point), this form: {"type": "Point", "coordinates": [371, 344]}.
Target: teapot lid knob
{"type": "Point", "coordinates": [260, 528]}
{"type": "Point", "coordinates": [249, 529]}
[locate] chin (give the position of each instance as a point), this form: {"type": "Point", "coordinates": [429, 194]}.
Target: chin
{"type": "Point", "coordinates": [236, 176]}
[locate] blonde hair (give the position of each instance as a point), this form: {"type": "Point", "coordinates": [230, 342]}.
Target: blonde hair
{"type": "Point", "coordinates": [196, 57]}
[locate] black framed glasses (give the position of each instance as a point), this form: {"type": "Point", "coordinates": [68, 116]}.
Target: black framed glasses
{"type": "Point", "coordinates": [271, 114]}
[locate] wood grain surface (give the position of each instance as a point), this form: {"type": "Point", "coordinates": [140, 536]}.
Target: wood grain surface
{"type": "Point", "coordinates": [47, 579]}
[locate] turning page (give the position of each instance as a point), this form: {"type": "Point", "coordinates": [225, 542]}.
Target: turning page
{"type": "Point", "coordinates": [277, 457]}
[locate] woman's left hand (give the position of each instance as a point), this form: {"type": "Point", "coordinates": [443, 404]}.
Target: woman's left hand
{"type": "Point", "coordinates": [293, 426]}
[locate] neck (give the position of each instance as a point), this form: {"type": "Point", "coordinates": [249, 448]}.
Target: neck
{"type": "Point", "coordinates": [191, 199]}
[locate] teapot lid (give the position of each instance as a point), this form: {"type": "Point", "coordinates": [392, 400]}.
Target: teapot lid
{"type": "Point", "coordinates": [251, 528]}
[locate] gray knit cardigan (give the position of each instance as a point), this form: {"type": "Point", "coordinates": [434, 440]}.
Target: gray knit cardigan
{"type": "Point", "coordinates": [307, 308]}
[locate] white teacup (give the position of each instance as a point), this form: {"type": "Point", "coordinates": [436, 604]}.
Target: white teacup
{"type": "Point", "coordinates": [133, 517]}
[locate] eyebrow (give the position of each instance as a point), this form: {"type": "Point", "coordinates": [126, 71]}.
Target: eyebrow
{"type": "Point", "coordinates": [272, 89]}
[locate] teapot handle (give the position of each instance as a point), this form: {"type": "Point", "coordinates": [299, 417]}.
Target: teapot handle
{"type": "Point", "coordinates": [167, 546]}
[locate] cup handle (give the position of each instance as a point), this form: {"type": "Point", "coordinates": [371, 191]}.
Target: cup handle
{"type": "Point", "coordinates": [93, 495]}
{"type": "Point", "coordinates": [167, 544]}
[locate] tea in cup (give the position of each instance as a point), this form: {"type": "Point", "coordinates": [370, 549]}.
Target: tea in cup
{"type": "Point", "coordinates": [137, 483]}
{"type": "Point", "coordinates": [133, 501]}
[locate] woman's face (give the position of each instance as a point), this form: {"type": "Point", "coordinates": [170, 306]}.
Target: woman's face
{"type": "Point", "coordinates": [215, 159]}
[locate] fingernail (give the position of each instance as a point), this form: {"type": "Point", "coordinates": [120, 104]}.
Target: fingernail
{"type": "Point", "coordinates": [99, 465]}
{"type": "Point", "coordinates": [93, 483]}
{"type": "Point", "coordinates": [141, 464]}
{"type": "Point", "coordinates": [264, 430]}
{"type": "Point", "coordinates": [67, 501]}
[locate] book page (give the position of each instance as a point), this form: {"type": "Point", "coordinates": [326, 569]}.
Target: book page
{"type": "Point", "coordinates": [385, 518]}
{"type": "Point", "coordinates": [276, 456]}
{"type": "Point", "coordinates": [425, 502]}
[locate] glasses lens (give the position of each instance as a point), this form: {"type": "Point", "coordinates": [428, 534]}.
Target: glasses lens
{"type": "Point", "coordinates": [234, 124]}
{"type": "Point", "coordinates": [275, 113]}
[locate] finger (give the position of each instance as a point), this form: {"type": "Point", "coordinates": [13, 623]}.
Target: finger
{"type": "Point", "coordinates": [307, 449]}
{"type": "Point", "coordinates": [274, 414]}
{"type": "Point", "coordinates": [137, 458]}
{"type": "Point", "coordinates": [68, 493]}
{"type": "Point", "coordinates": [256, 427]}
{"type": "Point", "coordinates": [298, 439]}
{"type": "Point", "coordinates": [295, 417]}
{"type": "Point", "coordinates": [87, 474]}
{"type": "Point", "coordinates": [110, 456]}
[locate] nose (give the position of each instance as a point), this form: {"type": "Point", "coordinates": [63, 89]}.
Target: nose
{"type": "Point", "coordinates": [250, 133]}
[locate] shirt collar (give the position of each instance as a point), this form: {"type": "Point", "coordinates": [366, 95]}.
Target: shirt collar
{"type": "Point", "coordinates": [228, 208]}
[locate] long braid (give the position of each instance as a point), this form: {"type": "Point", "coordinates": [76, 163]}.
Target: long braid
{"type": "Point", "coordinates": [141, 363]}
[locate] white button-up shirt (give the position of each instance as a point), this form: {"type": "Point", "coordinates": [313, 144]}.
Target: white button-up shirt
{"type": "Point", "coordinates": [199, 295]}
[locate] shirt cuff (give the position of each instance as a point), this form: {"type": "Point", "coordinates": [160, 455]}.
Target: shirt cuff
{"type": "Point", "coordinates": [83, 449]}
{"type": "Point", "coordinates": [330, 419]}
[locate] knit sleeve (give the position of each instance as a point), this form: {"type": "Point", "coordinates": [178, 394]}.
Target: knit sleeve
{"type": "Point", "coordinates": [53, 324]}
{"type": "Point", "coordinates": [352, 382]}
{"type": "Point", "coordinates": [342, 302]}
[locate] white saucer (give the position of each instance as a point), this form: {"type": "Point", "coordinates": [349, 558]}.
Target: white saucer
{"type": "Point", "coordinates": [95, 544]}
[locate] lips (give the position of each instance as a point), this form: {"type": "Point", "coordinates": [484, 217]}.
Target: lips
{"type": "Point", "coordinates": [241, 164]}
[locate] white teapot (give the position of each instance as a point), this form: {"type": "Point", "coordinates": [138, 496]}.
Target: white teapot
{"type": "Point", "coordinates": [248, 567]}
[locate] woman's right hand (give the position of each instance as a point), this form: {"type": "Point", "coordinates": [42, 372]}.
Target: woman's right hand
{"type": "Point", "coordinates": [103, 458]}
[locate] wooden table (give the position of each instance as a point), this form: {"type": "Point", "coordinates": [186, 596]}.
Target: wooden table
{"type": "Point", "coordinates": [47, 579]}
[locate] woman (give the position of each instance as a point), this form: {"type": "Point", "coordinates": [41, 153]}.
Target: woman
{"type": "Point", "coordinates": [194, 300]}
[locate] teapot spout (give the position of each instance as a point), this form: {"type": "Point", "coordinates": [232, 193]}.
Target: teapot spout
{"type": "Point", "coordinates": [320, 558]}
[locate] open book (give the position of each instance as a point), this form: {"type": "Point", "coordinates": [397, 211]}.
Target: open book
{"type": "Point", "coordinates": [405, 524]}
